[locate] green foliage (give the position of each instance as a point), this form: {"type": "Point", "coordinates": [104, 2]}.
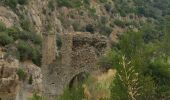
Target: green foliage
{"type": "Point", "coordinates": [108, 7]}
{"type": "Point", "coordinates": [76, 93]}
{"type": "Point", "coordinates": [68, 3]}
{"type": "Point", "coordinates": [160, 71]}
{"type": "Point", "coordinates": [2, 27]}
{"type": "Point", "coordinates": [25, 24]}
{"type": "Point", "coordinates": [107, 61]}
{"type": "Point", "coordinates": [51, 4]}
{"type": "Point", "coordinates": [90, 28]}
{"type": "Point", "coordinates": [22, 2]}
{"type": "Point", "coordinates": [29, 36]}
{"type": "Point", "coordinates": [5, 39]}
{"type": "Point", "coordinates": [11, 3]}
{"type": "Point", "coordinates": [13, 32]}
{"type": "Point", "coordinates": [105, 30]}
{"type": "Point", "coordinates": [36, 97]}
{"type": "Point", "coordinates": [22, 75]}
{"type": "Point", "coordinates": [126, 83]}
{"type": "Point", "coordinates": [153, 9]}
{"type": "Point", "coordinates": [26, 51]}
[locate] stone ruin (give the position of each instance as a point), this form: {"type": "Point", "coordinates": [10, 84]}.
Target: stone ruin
{"type": "Point", "coordinates": [79, 54]}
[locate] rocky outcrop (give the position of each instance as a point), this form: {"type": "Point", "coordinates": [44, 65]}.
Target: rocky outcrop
{"type": "Point", "coordinates": [8, 17]}
{"type": "Point", "coordinates": [9, 80]}
{"type": "Point", "coordinates": [11, 86]}
{"type": "Point", "coordinates": [34, 75]}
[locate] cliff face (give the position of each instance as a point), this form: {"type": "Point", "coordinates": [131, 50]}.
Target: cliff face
{"type": "Point", "coordinates": [9, 80]}
{"type": "Point", "coordinates": [16, 84]}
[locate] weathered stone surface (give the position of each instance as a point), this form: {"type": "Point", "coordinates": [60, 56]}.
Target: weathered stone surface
{"type": "Point", "coordinates": [8, 17]}
{"type": "Point", "coordinates": [35, 72]}
{"type": "Point", "coordinates": [79, 54]}
{"type": "Point", "coordinates": [9, 80]}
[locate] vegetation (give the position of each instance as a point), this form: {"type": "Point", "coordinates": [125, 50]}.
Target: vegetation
{"type": "Point", "coordinates": [13, 3]}
{"type": "Point", "coordinates": [36, 97]}
{"type": "Point", "coordinates": [73, 94]}
{"type": "Point", "coordinates": [5, 39]}
{"type": "Point", "coordinates": [28, 44]}
{"type": "Point", "coordinates": [21, 74]}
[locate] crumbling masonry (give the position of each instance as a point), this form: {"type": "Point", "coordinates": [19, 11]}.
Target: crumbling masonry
{"type": "Point", "coordinates": [79, 53]}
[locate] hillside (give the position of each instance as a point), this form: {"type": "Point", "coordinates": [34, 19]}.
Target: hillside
{"type": "Point", "coordinates": [107, 29]}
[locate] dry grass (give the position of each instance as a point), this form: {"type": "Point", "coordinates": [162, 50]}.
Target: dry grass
{"type": "Point", "coordinates": [97, 86]}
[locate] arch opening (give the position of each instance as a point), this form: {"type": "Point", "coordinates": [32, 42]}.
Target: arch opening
{"type": "Point", "coordinates": [78, 79]}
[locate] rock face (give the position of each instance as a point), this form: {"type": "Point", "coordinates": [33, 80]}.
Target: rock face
{"type": "Point", "coordinates": [8, 17]}
{"type": "Point", "coordinates": [32, 83]}
{"type": "Point", "coordinates": [9, 80]}
{"type": "Point", "coordinates": [34, 72]}
{"type": "Point", "coordinates": [11, 87]}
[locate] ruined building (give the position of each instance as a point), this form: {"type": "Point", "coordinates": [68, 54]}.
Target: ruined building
{"type": "Point", "coordinates": [79, 54]}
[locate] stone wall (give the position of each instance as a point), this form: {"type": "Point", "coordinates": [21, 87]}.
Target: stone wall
{"type": "Point", "coordinates": [48, 48]}
{"type": "Point", "coordinates": [79, 54]}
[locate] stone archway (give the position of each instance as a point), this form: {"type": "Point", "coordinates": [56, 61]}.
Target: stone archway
{"type": "Point", "coordinates": [79, 78]}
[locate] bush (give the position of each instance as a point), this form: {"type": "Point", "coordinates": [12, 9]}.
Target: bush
{"type": "Point", "coordinates": [25, 24]}
{"type": "Point", "coordinates": [27, 52]}
{"type": "Point", "coordinates": [36, 97]}
{"type": "Point", "coordinates": [108, 7]}
{"type": "Point", "coordinates": [90, 28]}
{"type": "Point", "coordinates": [11, 3]}
{"type": "Point", "coordinates": [69, 3]}
{"type": "Point", "coordinates": [73, 94]}
{"type": "Point", "coordinates": [2, 27]}
{"type": "Point", "coordinates": [28, 36]}
{"type": "Point", "coordinates": [51, 4]}
{"type": "Point", "coordinates": [13, 32]}
{"type": "Point", "coordinates": [120, 23]}
{"type": "Point", "coordinates": [22, 2]}
{"type": "Point", "coordinates": [105, 30]}
{"type": "Point", "coordinates": [21, 74]}
{"type": "Point", "coordinates": [5, 39]}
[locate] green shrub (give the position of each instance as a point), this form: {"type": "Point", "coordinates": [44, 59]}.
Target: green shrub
{"type": "Point", "coordinates": [90, 28]}
{"type": "Point", "coordinates": [108, 7]}
{"type": "Point", "coordinates": [22, 2]}
{"type": "Point", "coordinates": [69, 3]}
{"type": "Point", "coordinates": [2, 27]}
{"type": "Point", "coordinates": [51, 4]}
{"type": "Point", "coordinates": [105, 30]}
{"type": "Point", "coordinates": [36, 97]}
{"type": "Point", "coordinates": [25, 24]}
{"type": "Point", "coordinates": [5, 39]}
{"type": "Point", "coordinates": [13, 32]}
{"type": "Point", "coordinates": [29, 36]}
{"type": "Point", "coordinates": [25, 50]}
{"type": "Point", "coordinates": [120, 23]}
{"type": "Point", "coordinates": [22, 75]}
{"type": "Point", "coordinates": [11, 3]}
{"type": "Point", "coordinates": [73, 94]}
{"type": "Point", "coordinates": [28, 52]}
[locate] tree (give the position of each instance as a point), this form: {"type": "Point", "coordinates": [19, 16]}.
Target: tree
{"type": "Point", "coordinates": [129, 84]}
{"type": "Point", "coordinates": [126, 83]}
